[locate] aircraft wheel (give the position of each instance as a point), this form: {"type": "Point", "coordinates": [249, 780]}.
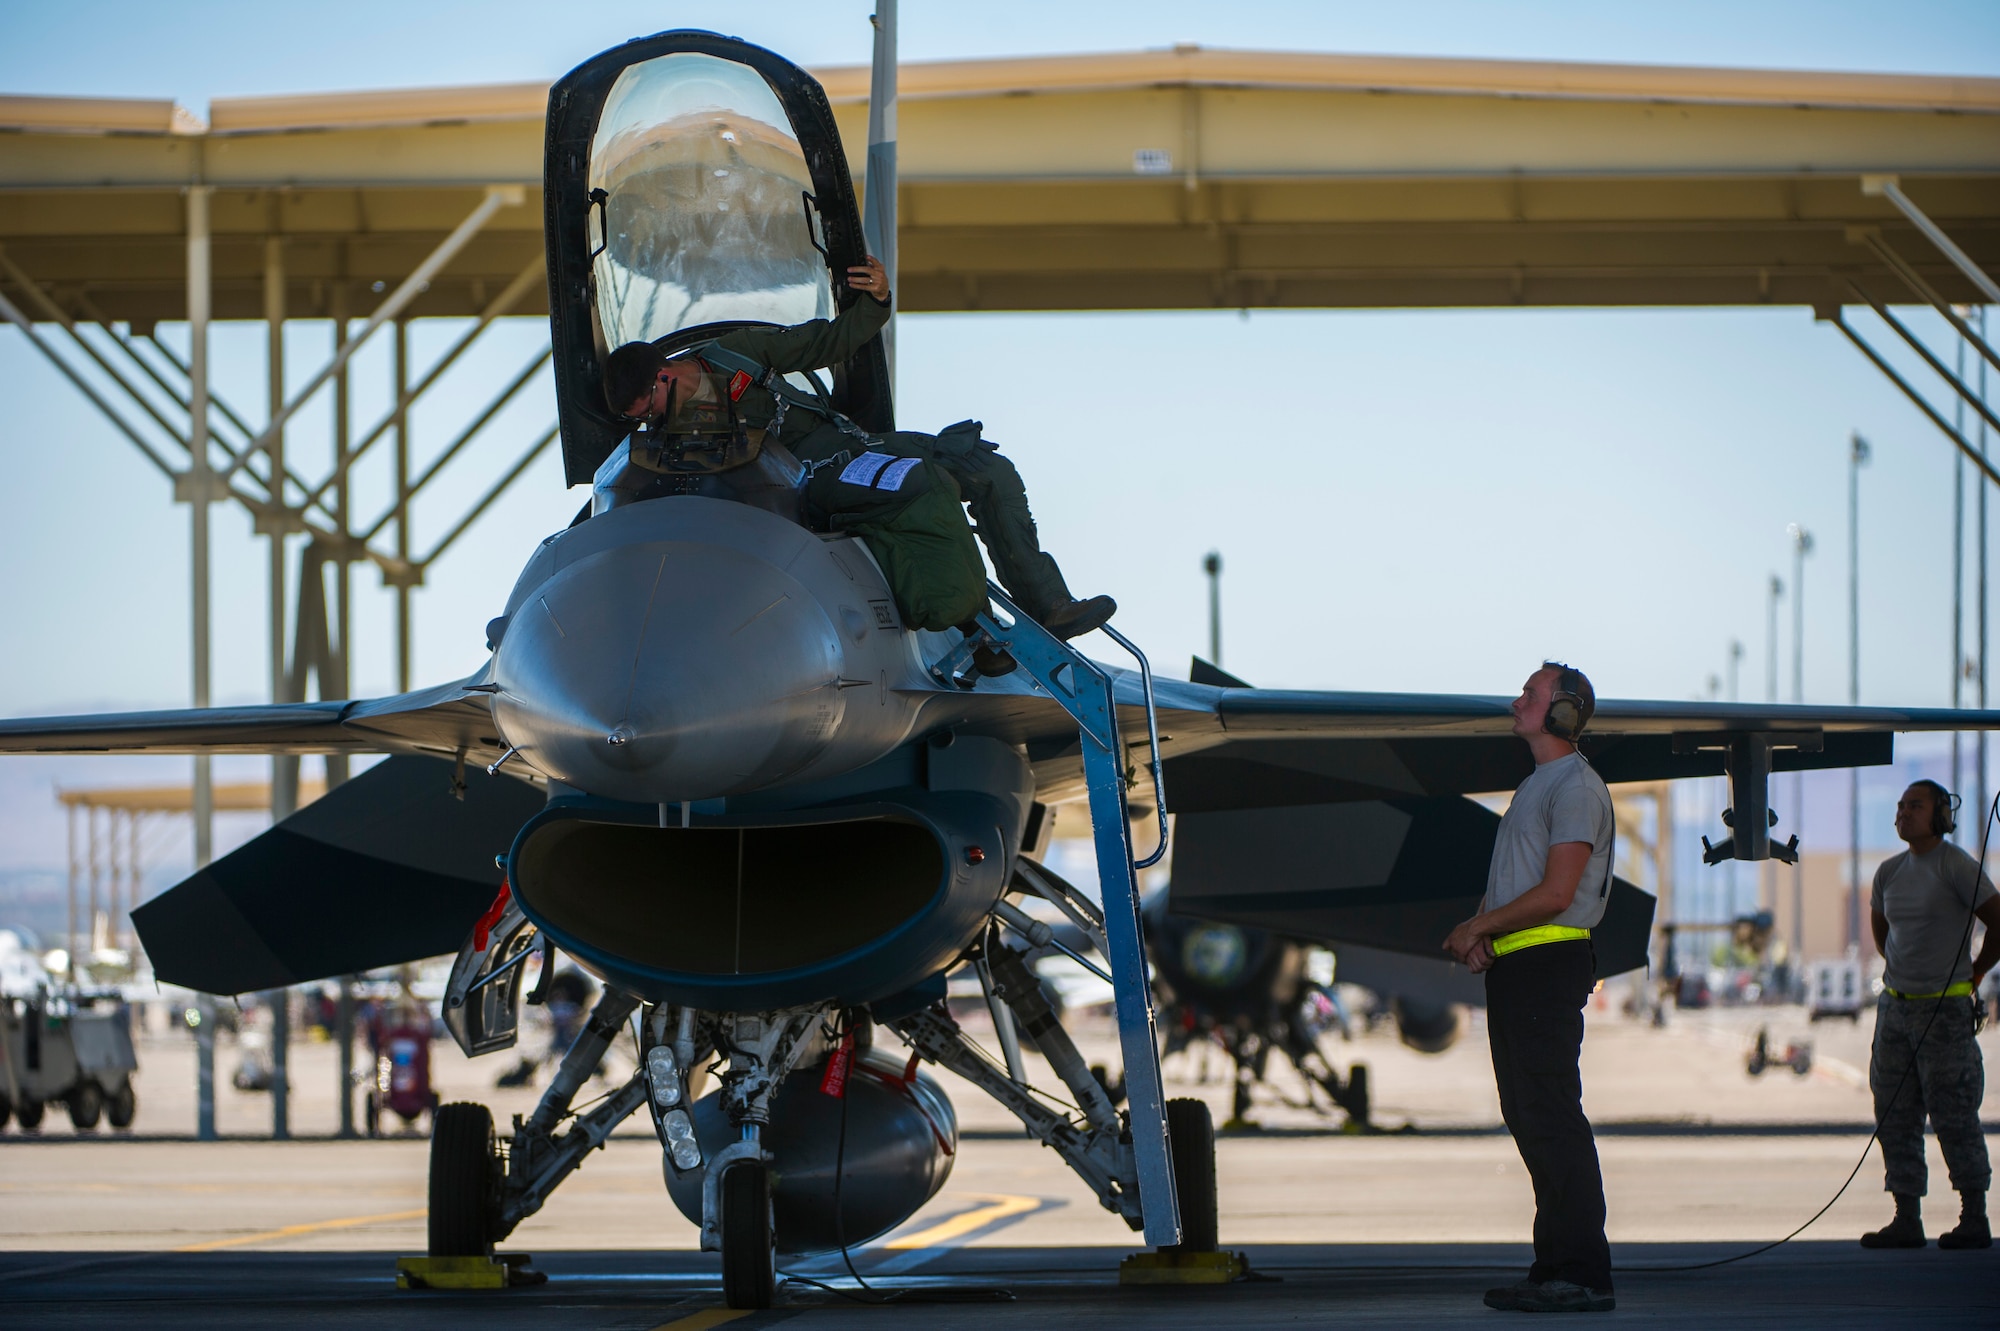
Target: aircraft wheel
{"type": "Point", "coordinates": [6, 1109]}
{"type": "Point", "coordinates": [123, 1106]}
{"type": "Point", "coordinates": [462, 1189]}
{"type": "Point", "coordinates": [749, 1262]}
{"type": "Point", "coordinates": [1193, 1134]}
{"type": "Point", "coordinates": [30, 1112]}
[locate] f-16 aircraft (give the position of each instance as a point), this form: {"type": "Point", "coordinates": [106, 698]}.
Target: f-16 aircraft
{"type": "Point", "coordinates": [707, 761]}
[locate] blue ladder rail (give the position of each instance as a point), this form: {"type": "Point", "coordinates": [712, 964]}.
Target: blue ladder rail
{"type": "Point", "coordinates": [1085, 693]}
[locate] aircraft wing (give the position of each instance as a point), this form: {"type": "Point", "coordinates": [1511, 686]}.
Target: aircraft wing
{"type": "Point", "coordinates": [1243, 748]}
{"type": "Point", "coordinates": [446, 719]}
{"type": "Point", "coordinates": [1341, 816]}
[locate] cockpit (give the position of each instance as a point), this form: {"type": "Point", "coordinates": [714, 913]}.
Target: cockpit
{"type": "Point", "coordinates": [695, 185]}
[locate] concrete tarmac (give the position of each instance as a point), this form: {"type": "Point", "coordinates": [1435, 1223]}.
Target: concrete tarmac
{"type": "Point", "coordinates": [1700, 1161]}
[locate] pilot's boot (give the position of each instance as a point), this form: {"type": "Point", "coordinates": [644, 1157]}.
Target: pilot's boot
{"type": "Point", "coordinates": [988, 657]}
{"type": "Point", "coordinates": [1973, 1229]}
{"type": "Point", "coordinates": [1073, 619]}
{"type": "Point", "coordinates": [1905, 1231]}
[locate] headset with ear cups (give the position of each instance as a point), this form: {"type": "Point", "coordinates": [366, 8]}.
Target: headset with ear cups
{"type": "Point", "coordinates": [1568, 713]}
{"type": "Point", "coordinates": [1944, 807]}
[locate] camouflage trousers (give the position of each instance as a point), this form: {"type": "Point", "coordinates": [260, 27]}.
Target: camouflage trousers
{"type": "Point", "coordinates": [1941, 1077]}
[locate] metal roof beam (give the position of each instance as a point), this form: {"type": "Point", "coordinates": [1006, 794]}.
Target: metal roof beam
{"type": "Point", "coordinates": [497, 197]}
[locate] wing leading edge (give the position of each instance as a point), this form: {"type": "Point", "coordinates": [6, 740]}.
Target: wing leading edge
{"type": "Point", "coordinates": [447, 719]}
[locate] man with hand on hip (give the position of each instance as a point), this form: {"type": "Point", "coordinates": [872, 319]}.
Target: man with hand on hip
{"type": "Point", "coordinates": [1547, 886]}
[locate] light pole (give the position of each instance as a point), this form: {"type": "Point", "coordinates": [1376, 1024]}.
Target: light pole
{"type": "Point", "coordinates": [1802, 545]}
{"type": "Point", "coordinates": [1767, 893]}
{"type": "Point", "coordinates": [1211, 564]}
{"type": "Point", "coordinates": [1857, 458]}
{"type": "Point", "coordinates": [1735, 664]}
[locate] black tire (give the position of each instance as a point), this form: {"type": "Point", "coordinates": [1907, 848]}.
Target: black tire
{"type": "Point", "coordinates": [749, 1259]}
{"type": "Point", "coordinates": [1356, 1104]}
{"type": "Point", "coordinates": [122, 1107]}
{"type": "Point", "coordinates": [29, 1114]}
{"type": "Point", "coordinates": [1193, 1133]}
{"type": "Point", "coordinates": [6, 1109]}
{"type": "Point", "coordinates": [86, 1105]}
{"type": "Point", "coordinates": [462, 1192]}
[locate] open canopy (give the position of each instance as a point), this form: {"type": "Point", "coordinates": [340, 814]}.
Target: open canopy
{"type": "Point", "coordinates": [693, 183]}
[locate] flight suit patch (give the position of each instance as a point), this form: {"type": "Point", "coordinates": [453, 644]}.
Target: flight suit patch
{"type": "Point", "coordinates": [739, 383]}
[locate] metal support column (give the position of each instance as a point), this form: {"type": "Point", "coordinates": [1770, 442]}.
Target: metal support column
{"type": "Point", "coordinates": [343, 1033]}
{"type": "Point", "coordinates": [199, 482]}
{"type": "Point", "coordinates": [343, 576]}
{"type": "Point", "coordinates": [878, 209]}
{"type": "Point", "coordinates": [1979, 743]}
{"type": "Point", "coordinates": [1857, 457]}
{"type": "Point", "coordinates": [284, 767]}
{"type": "Point", "coordinates": [402, 385]}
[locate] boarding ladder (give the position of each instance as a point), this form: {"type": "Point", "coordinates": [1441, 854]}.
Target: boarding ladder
{"type": "Point", "coordinates": [1085, 692]}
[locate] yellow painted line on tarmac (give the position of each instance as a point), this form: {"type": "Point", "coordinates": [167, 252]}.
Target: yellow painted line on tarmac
{"type": "Point", "coordinates": [704, 1319]}
{"type": "Point", "coordinates": [998, 1207]}
{"type": "Point", "coordinates": [291, 1231]}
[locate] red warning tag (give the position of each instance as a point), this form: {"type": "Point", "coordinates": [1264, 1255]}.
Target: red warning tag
{"type": "Point", "coordinates": [834, 1081]}
{"type": "Point", "coordinates": [738, 383]}
{"type": "Point", "coordinates": [484, 927]}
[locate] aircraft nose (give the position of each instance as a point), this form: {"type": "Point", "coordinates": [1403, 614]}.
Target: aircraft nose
{"type": "Point", "coordinates": [669, 671]}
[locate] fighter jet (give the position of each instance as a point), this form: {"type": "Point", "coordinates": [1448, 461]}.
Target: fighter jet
{"type": "Point", "coordinates": [706, 761]}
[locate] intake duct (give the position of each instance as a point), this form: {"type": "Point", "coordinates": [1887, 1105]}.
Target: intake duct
{"type": "Point", "coordinates": [852, 904]}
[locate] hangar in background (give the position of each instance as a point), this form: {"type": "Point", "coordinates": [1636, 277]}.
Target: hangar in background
{"type": "Point", "coordinates": [1186, 178]}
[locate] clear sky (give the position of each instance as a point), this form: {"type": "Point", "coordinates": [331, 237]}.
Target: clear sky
{"type": "Point", "coordinates": [1416, 500]}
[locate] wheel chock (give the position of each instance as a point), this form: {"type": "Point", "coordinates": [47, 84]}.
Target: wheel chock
{"type": "Point", "coordinates": [495, 1271]}
{"type": "Point", "coordinates": [1164, 1267]}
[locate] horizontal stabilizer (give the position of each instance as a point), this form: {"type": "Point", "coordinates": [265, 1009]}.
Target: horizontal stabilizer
{"type": "Point", "coordinates": [1395, 875]}
{"type": "Point", "coordinates": [386, 868]}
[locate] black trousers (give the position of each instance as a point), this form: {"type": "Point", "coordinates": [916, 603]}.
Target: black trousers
{"type": "Point", "coordinates": [1534, 1020]}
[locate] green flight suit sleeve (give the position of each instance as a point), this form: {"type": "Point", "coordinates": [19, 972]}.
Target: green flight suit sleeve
{"type": "Point", "coordinates": [814, 344]}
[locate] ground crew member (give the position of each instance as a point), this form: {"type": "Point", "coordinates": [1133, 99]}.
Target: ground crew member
{"type": "Point", "coordinates": [640, 383]}
{"type": "Point", "coordinates": [1548, 884]}
{"type": "Point", "coordinates": [1925, 1059]}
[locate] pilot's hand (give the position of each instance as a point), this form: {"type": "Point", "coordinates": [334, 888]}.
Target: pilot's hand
{"type": "Point", "coordinates": [871, 277]}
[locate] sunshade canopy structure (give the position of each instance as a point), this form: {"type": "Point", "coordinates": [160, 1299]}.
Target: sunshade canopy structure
{"type": "Point", "coordinates": [1187, 178]}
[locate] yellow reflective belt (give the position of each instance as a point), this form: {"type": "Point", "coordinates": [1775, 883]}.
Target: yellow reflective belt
{"type": "Point", "coordinates": [1963, 989]}
{"type": "Point", "coordinates": [1535, 937]}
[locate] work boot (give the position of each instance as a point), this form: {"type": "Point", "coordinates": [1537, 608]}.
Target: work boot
{"type": "Point", "coordinates": [1905, 1231]}
{"type": "Point", "coordinates": [1073, 619]}
{"type": "Point", "coordinates": [1555, 1296]}
{"type": "Point", "coordinates": [1972, 1230]}
{"type": "Point", "coordinates": [1507, 1298]}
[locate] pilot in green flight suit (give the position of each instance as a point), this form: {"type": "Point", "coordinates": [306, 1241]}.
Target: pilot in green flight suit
{"type": "Point", "coordinates": [640, 383]}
